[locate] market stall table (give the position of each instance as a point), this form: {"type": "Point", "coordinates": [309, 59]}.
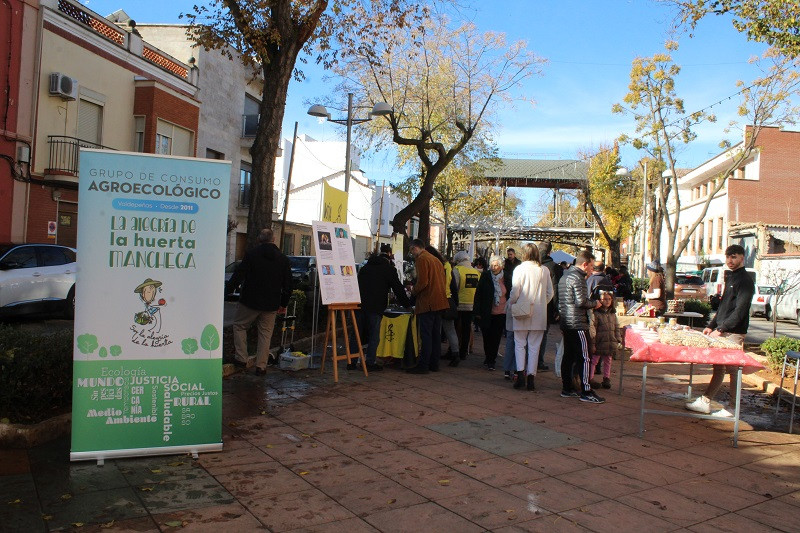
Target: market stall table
{"type": "Point", "coordinates": [628, 320]}
{"type": "Point", "coordinates": [646, 349]}
{"type": "Point", "coordinates": [691, 315]}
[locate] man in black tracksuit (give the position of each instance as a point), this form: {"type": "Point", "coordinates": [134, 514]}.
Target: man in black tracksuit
{"type": "Point", "coordinates": [573, 305]}
{"type": "Point", "coordinates": [731, 321]}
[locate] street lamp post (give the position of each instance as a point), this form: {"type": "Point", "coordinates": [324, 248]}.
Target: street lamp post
{"type": "Point", "coordinates": [379, 109]}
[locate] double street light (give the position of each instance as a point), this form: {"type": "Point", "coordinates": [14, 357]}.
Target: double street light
{"type": "Point", "coordinates": [378, 110]}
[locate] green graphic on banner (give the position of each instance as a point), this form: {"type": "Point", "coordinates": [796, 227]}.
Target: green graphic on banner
{"type": "Point", "coordinates": [143, 404]}
{"type": "Point", "coordinates": [148, 304]}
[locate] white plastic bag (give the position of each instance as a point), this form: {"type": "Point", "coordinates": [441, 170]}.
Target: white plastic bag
{"type": "Point", "coordinates": [559, 356]}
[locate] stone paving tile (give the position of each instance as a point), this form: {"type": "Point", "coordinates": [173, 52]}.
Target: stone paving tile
{"type": "Point", "coordinates": [143, 470]}
{"type": "Point", "coordinates": [671, 506]}
{"type": "Point", "coordinates": [331, 471]}
{"type": "Point", "coordinates": [94, 507]}
{"type": "Point", "coordinates": [296, 510]}
{"type": "Point", "coordinates": [19, 504]}
{"type": "Point", "coordinates": [595, 454]}
{"type": "Point", "coordinates": [452, 452]}
{"type": "Point", "coordinates": [691, 462]}
{"type": "Point", "coordinates": [544, 437]}
{"type": "Point", "coordinates": [423, 517]}
{"type": "Point", "coordinates": [588, 432]}
{"type": "Point", "coordinates": [793, 498]}
{"type": "Point", "coordinates": [302, 452]}
{"type": "Point", "coordinates": [606, 482]}
{"type": "Point", "coordinates": [725, 496]}
{"type": "Point", "coordinates": [190, 493]}
{"type": "Point", "coordinates": [553, 495]}
{"type": "Point", "coordinates": [548, 462]}
{"type": "Point", "coordinates": [263, 479]}
{"type": "Point", "coordinates": [678, 438]}
{"type": "Point", "coordinates": [501, 444]}
{"type": "Point", "coordinates": [767, 485]}
{"type": "Point", "coordinates": [497, 472]}
{"type": "Point", "coordinates": [610, 515]}
{"type": "Point", "coordinates": [775, 513]}
{"type": "Point", "coordinates": [352, 412]}
{"type": "Point", "coordinates": [439, 482]}
{"type": "Point", "coordinates": [731, 523]}
{"type": "Point", "coordinates": [650, 471]}
{"type": "Point", "coordinates": [547, 524]}
{"type": "Point", "coordinates": [490, 508]}
{"type": "Point", "coordinates": [210, 519]}
{"type": "Point", "coordinates": [373, 495]}
{"type": "Point", "coordinates": [634, 446]}
{"type": "Point", "coordinates": [408, 436]}
{"type": "Point", "coordinates": [76, 478]}
{"type": "Point", "coordinates": [240, 456]}
{"type": "Point", "coordinates": [350, 525]}
{"type": "Point", "coordinates": [395, 461]}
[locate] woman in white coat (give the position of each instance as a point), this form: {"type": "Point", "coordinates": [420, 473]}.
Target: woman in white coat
{"type": "Point", "coordinates": [531, 289]}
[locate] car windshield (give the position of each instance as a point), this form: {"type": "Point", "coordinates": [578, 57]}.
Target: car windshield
{"type": "Point", "coordinates": [766, 289]}
{"type": "Point", "coordinates": [689, 280]}
{"type": "Point", "coordinates": [299, 263]}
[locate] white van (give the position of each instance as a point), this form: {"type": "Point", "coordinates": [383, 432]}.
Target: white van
{"type": "Point", "coordinates": [714, 280]}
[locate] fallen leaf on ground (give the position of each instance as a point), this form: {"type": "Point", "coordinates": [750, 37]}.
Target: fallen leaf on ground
{"type": "Point", "coordinates": [473, 465]}
{"type": "Point", "coordinates": [525, 462]}
{"type": "Point", "coordinates": [174, 523]}
{"type": "Point", "coordinates": [77, 524]}
{"type": "Point", "coordinates": [146, 489]}
{"type": "Point", "coordinates": [444, 482]}
{"type": "Point", "coordinates": [155, 470]}
{"type": "Point", "coordinates": [12, 502]}
{"type": "Point", "coordinates": [66, 496]}
{"type": "Point", "coordinates": [107, 525]}
{"type": "Point", "coordinates": [47, 517]}
{"type": "Point", "coordinates": [391, 501]}
{"type": "Point", "coordinates": [303, 473]}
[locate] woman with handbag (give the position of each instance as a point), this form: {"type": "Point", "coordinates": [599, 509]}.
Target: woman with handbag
{"type": "Point", "coordinates": [531, 289]}
{"type": "Point", "coordinates": [490, 308]}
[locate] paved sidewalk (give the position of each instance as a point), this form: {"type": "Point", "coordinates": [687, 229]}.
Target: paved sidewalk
{"type": "Point", "coordinates": [456, 451]}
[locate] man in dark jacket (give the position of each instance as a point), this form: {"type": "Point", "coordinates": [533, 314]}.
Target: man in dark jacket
{"type": "Point", "coordinates": [510, 263]}
{"type": "Point", "coordinates": [731, 321]}
{"type": "Point", "coordinates": [266, 279]}
{"type": "Point", "coordinates": [555, 271]}
{"type": "Point", "coordinates": [375, 280]}
{"type": "Point", "coordinates": [573, 304]}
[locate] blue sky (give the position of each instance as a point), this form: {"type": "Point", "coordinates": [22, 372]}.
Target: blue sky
{"type": "Point", "coordinates": [589, 45]}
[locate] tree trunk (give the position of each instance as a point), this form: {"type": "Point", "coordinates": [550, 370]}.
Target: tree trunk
{"type": "Point", "coordinates": [669, 275]}
{"type": "Point", "coordinates": [425, 223]}
{"type": "Point", "coordinates": [613, 247]}
{"type": "Point", "coordinates": [277, 75]}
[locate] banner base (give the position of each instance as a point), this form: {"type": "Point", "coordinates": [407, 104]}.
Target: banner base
{"type": "Point", "coordinates": [101, 455]}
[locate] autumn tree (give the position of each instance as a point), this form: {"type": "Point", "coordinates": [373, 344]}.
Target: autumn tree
{"type": "Point", "coordinates": [270, 36]}
{"type": "Point", "coordinates": [775, 22]}
{"type": "Point", "coordinates": [444, 92]}
{"type": "Point", "coordinates": [614, 201]}
{"type": "Point", "coordinates": [766, 102]}
{"type": "Point", "coordinates": [661, 125]}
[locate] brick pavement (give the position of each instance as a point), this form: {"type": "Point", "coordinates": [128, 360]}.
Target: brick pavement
{"type": "Point", "coordinates": [458, 450]}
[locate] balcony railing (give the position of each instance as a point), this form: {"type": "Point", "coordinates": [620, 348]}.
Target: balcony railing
{"type": "Point", "coordinates": [244, 197]}
{"type": "Point", "coordinates": [64, 154]}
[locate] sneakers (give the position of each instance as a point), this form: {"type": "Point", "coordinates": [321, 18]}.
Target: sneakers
{"type": "Point", "coordinates": [490, 366]}
{"type": "Point", "coordinates": [507, 375]}
{"type": "Point", "coordinates": [569, 394]}
{"type": "Point", "coordinates": [722, 413]}
{"type": "Point", "coordinates": [530, 385]}
{"type": "Point", "coordinates": [700, 405]}
{"type": "Point", "coordinates": [591, 397]}
{"type": "Point", "coordinates": [606, 383]}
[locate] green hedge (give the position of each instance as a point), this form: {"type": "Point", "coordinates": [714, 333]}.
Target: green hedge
{"type": "Point", "coordinates": [775, 349]}
{"type": "Point", "coordinates": [35, 374]}
{"type": "Point", "coordinates": [696, 306]}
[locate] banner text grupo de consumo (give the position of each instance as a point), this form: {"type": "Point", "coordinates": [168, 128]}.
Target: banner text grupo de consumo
{"type": "Point", "coordinates": [148, 306]}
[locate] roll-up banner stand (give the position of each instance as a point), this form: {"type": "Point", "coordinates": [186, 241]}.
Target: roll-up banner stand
{"type": "Point", "coordinates": [148, 306]}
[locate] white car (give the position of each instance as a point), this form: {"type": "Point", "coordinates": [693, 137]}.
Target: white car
{"type": "Point", "coordinates": [786, 306]}
{"type": "Point", "coordinates": [760, 304]}
{"type": "Point", "coordinates": [37, 277]}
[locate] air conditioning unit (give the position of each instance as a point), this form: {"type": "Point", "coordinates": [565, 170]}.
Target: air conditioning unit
{"type": "Point", "coordinates": [63, 86]}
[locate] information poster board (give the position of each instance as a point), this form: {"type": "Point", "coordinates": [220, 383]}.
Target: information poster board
{"type": "Point", "coordinates": [336, 265]}
{"type": "Point", "coordinates": [148, 306]}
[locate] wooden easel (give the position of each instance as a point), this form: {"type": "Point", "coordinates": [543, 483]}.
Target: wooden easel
{"type": "Point", "coordinates": [330, 331]}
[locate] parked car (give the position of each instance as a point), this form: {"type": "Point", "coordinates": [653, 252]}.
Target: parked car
{"type": "Point", "coordinates": [37, 278]}
{"type": "Point", "coordinates": [786, 306]}
{"type": "Point", "coordinates": [761, 304]}
{"type": "Point", "coordinates": [714, 279]}
{"type": "Point", "coordinates": [228, 273]}
{"type": "Point", "coordinates": [689, 287]}
{"type": "Point", "coordinates": [304, 267]}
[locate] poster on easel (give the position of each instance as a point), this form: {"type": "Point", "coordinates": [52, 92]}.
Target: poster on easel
{"type": "Point", "coordinates": [336, 265]}
{"type": "Point", "coordinates": [147, 352]}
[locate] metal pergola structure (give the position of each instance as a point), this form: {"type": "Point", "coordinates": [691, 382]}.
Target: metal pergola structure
{"type": "Point", "coordinates": [576, 229]}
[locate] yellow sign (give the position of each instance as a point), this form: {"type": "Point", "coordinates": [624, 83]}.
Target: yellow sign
{"type": "Point", "coordinates": [334, 204]}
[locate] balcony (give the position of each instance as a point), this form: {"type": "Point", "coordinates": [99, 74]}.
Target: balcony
{"type": "Point", "coordinates": [62, 168]}
{"type": "Point", "coordinates": [244, 197]}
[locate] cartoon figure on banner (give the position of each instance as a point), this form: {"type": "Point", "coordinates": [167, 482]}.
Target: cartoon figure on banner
{"type": "Point", "coordinates": [148, 323]}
